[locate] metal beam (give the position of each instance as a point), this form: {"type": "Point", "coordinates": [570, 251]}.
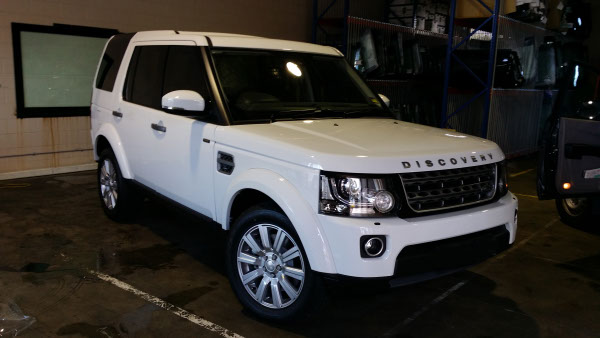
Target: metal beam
{"type": "Point", "coordinates": [491, 68]}
{"type": "Point", "coordinates": [449, 47]}
{"type": "Point", "coordinates": [488, 84]}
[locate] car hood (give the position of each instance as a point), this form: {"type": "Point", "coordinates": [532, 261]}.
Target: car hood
{"type": "Point", "coordinates": [361, 145]}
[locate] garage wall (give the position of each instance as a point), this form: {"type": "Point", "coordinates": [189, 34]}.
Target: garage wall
{"type": "Point", "coordinates": [65, 142]}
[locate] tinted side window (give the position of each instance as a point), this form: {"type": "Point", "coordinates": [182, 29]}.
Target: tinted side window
{"type": "Point", "coordinates": [145, 76]}
{"type": "Point", "coordinates": [185, 71]}
{"type": "Point", "coordinates": [582, 94]}
{"type": "Point", "coordinates": [128, 86]}
{"type": "Point", "coordinates": [111, 61]}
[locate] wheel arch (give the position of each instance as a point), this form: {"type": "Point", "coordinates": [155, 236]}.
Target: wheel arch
{"type": "Point", "coordinates": [267, 186]}
{"type": "Point", "coordinates": [107, 137]}
{"type": "Point", "coordinates": [246, 198]}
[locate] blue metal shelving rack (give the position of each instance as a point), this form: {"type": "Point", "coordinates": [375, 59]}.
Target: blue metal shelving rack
{"type": "Point", "coordinates": [322, 15]}
{"type": "Point", "coordinates": [319, 16]}
{"type": "Point", "coordinates": [450, 57]}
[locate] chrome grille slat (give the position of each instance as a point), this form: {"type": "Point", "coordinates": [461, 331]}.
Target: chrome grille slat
{"type": "Point", "coordinates": [446, 177]}
{"type": "Point", "coordinates": [443, 187]}
{"type": "Point", "coordinates": [445, 195]}
{"type": "Point", "coordinates": [451, 188]}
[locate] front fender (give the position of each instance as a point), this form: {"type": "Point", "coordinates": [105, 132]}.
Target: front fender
{"type": "Point", "coordinates": [110, 133]}
{"type": "Point", "coordinates": [289, 199]}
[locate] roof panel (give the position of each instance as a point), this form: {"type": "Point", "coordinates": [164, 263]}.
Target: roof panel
{"type": "Point", "coordinates": [239, 41]}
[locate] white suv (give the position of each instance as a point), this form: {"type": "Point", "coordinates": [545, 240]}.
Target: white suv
{"type": "Point", "coordinates": [284, 145]}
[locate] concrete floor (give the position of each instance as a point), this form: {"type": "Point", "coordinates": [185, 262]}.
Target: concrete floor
{"type": "Point", "coordinates": [53, 232]}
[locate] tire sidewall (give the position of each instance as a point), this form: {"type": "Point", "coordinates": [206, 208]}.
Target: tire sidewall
{"type": "Point", "coordinates": [573, 220]}
{"type": "Point", "coordinates": [242, 224]}
{"type": "Point", "coordinates": [117, 210]}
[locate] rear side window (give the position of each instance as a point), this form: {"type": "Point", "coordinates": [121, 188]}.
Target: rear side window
{"type": "Point", "coordinates": [111, 61]}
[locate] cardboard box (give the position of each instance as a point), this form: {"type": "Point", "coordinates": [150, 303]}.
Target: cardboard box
{"type": "Point", "coordinates": [472, 9]}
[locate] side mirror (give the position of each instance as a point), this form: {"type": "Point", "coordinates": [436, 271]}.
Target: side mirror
{"type": "Point", "coordinates": [385, 99]}
{"type": "Point", "coordinates": [187, 100]}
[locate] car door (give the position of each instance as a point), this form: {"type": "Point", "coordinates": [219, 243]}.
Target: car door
{"type": "Point", "coordinates": [170, 150]}
{"type": "Point", "coordinates": [571, 153]}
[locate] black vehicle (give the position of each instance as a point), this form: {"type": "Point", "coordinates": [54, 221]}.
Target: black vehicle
{"type": "Point", "coordinates": [569, 166]}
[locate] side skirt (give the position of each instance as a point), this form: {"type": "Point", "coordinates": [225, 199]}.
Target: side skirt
{"type": "Point", "coordinates": [154, 194]}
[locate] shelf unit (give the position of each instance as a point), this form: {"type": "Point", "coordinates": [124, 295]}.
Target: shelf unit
{"type": "Point", "coordinates": [451, 57]}
{"type": "Point", "coordinates": [510, 117]}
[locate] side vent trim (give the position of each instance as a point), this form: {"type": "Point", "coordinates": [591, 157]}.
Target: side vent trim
{"type": "Point", "coordinates": [225, 163]}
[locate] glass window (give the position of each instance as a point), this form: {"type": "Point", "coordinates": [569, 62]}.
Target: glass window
{"type": "Point", "coordinates": [145, 76]}
{"type": "Point", "coordinates": [333, 77]}
{"type": "Point", "coordinates": [185, 71]}
{"type": "Point", "coordinates": [111, 61]}
{"type": "Point", "coordinates": [261, 84]}
{"type": "Point", "coordinates": [55, 66]}
{"type": "Point", "coordinates": [581, 99]}
{"type": "Point", "coordinates": [157, 70]}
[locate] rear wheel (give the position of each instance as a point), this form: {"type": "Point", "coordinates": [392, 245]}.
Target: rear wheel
{"type": "Point", "coordinates": [574, 211]}
{"type": "Point", "coordinates": [117, 197]}
{"type": "Point", "coordinates": [267, 266]}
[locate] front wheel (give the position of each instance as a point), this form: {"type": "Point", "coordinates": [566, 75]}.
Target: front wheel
{"type": "Point", "coordinates": [267, 266]}
{"type": "Point", "coordinates": [574, 211]}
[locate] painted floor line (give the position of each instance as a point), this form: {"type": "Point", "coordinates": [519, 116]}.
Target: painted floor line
{"type": "Point", "coordinates": [168, 306]}
{"type": "Point", "coordinates": [394, 331]}
{"type": "Point", "coordinates": [520, 173]}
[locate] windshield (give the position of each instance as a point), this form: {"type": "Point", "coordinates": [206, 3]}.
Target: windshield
{"type": "Point", "coordinates": [262, 85]}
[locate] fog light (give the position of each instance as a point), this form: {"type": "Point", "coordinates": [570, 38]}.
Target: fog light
{"type": "Point", "coordinates": [373, 246]}
{"type": "Point", "coordinates": [566, 185]}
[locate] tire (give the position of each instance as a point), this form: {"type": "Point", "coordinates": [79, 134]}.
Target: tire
{"type": "Point", "coordinates": [278, 267]}
{"type": "Point", "coordinates": [118, 199]}
{"type": "Point", "coordinates": [575, 211]}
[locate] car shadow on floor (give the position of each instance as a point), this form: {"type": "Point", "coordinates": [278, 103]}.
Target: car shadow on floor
{"type": "Point", "coordinates": [460, 305]}
{"type": "Point", "coordinates": [424, 309]}
{"type": "Point", "coordinates": [203, 241]}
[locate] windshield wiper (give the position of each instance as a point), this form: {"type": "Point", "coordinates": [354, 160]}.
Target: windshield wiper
{"type": "Point", "coordinates": [290, 114]}
{"type": "Point", "coordinates": [315, 112]}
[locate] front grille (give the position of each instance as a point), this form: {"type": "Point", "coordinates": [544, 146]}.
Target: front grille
{"type": "Point", "coordinates": [451, 188]}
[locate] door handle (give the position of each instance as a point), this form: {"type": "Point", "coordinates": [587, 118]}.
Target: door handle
{"type": "Point", "coordinates": [117, 114]}
{"type": "Point", "coordinates": [159, 128]}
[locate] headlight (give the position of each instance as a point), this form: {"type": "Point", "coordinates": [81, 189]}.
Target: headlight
{"type": "Point", "coordinates": [356, 196]}
{"type": "Point", "coordinates": [502, 184]}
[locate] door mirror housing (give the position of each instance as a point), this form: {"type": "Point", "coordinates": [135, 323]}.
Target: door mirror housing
{"type": "Point", "coordinates": [385, 99]}
{"type": "Point", "coordinates": [186, 100]}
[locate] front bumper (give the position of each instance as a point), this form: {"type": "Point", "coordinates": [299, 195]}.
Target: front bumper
{"type": "Point", "coordinates": [343, 235]}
